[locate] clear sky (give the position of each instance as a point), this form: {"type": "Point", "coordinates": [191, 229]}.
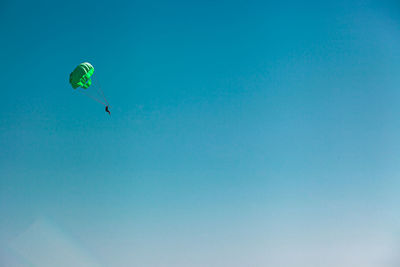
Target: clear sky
{"type": "Point", "coordinates": [242, 133]}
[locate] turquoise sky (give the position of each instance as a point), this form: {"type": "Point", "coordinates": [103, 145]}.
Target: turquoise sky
{"type": "Point", "coordinates": [242, 133]}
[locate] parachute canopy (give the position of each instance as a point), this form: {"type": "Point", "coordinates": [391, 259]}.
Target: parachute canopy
{"type": "Point", "coordinates": [80, 77]}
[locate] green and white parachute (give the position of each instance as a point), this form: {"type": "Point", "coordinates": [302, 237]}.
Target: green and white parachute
{"type": "Point", "coordinates": [81, 77]}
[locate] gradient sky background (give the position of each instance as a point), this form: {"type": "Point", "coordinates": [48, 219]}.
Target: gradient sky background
{"type": "Point", "coordinates": [243, 133]}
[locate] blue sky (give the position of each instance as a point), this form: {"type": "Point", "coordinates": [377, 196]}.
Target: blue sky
{"type": "Point", "coordinates": [243, 133]}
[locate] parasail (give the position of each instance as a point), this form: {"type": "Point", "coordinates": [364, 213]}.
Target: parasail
{"type": "Point", "coordinates": [81, 77]}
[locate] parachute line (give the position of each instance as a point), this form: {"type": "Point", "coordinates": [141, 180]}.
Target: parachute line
{"type": "Point", "coordinates": [100, 91]}
{"type": "Point", "coordinates": [92, 97]}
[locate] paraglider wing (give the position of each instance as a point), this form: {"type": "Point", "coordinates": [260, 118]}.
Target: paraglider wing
{"type": "Point", "coordinates": [80, 77]}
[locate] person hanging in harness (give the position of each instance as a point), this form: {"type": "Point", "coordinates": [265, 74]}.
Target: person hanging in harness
{"type": "Point", "coordinates": [108, 111]}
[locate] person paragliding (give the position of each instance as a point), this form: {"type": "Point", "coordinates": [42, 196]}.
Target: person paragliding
{"type": "Point", "coordinates": [81, 77]}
